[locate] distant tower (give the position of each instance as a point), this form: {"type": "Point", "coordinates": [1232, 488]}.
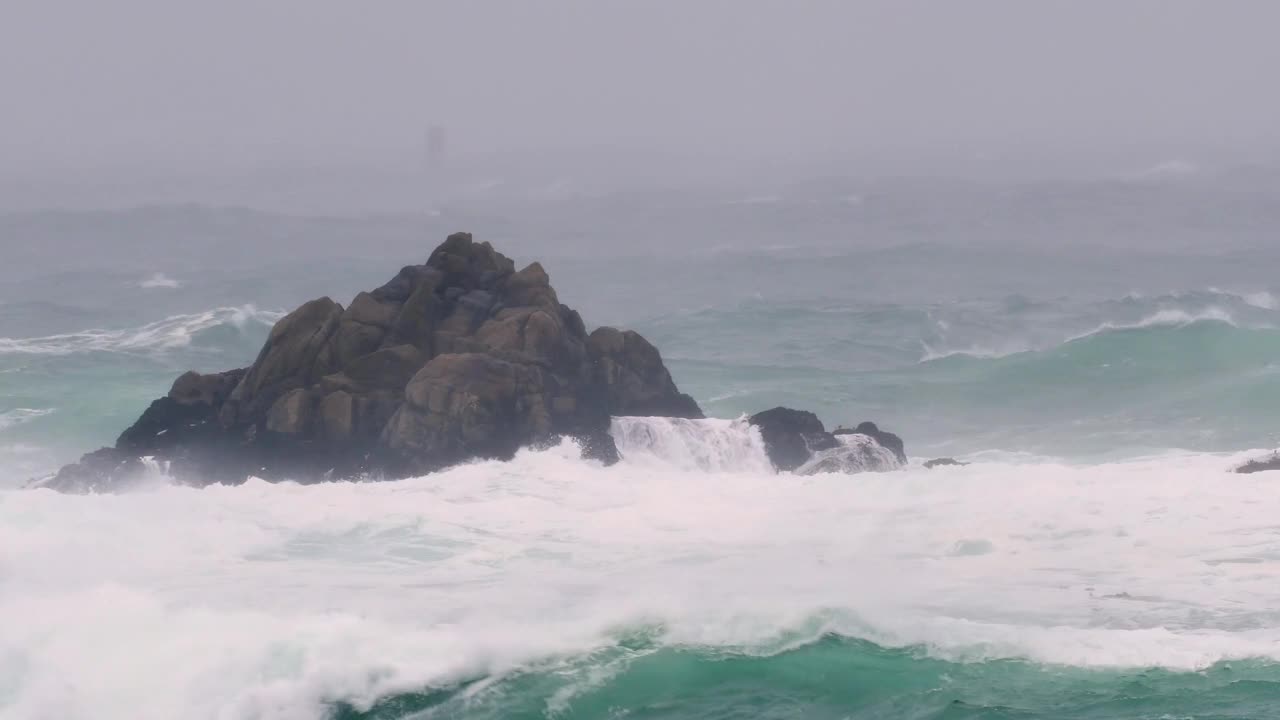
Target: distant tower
{"type": "Point", "coordinates": [434, 171]}
{"type": "Point", "coordinates": [435, 148]}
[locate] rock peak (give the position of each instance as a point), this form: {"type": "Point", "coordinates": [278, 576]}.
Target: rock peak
{"type": "Point", "coordinates": [459, 358]}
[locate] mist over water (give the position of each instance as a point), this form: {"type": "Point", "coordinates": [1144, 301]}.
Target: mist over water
{"type": "Point", "coordinates": [1040, 238]}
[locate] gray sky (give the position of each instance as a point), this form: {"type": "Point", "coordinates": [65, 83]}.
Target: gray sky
{"type": "Point", "coordinates": [187, 84]}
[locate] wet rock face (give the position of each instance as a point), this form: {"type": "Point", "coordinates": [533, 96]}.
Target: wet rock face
{"type": "Point", "coordinates": [634, 380]}
{"type": "Point", "coordinates": [791, 437]}
{"type": "Point", "coordinates": [462, 357]}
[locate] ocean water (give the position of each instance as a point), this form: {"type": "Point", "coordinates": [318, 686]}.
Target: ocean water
{"type": "Point", "coordinates": [1095, 560]}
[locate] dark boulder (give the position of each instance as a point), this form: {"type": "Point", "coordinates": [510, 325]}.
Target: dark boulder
{"type": "Point", "coordinates": [791, 437]}
{"type": "Point", "coordinates": [797, 441]}
{"type": "Point", "coordinates": [943, 462]}
{"type": "Point", "coordinates": [457, 359]}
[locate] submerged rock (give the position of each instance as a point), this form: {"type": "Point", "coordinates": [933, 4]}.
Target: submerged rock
{"type": "Point", "coordinates": [797, 441]}
{"type": "Point", "coordinates": [884, 439]}
{"type": "Point", "coordinates": [855, 453]}
{"type": "Point", "coordinates": [1271, 462]}
{"type": "Point", "coordinates": [940, 462]}
{"type": "Point", "coordinates": [460, 358]}
{"type": "Point", "coordinates": [791, 437]}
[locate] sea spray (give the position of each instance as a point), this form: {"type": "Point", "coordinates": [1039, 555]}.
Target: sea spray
{"type": "Point", "coordinates": [498, 585]}
{"type": "Point", "coordinates": [174, 332]}
{"type": "Point", "coordinates": [711, 445]}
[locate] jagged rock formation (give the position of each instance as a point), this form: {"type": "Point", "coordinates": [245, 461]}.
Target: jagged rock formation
{"type": "Point", "coordinates": [796, 441]}
{"type": "Point", "coordinates": [460, 358]}
{"type": "Point", "coordinates": [943, 462]}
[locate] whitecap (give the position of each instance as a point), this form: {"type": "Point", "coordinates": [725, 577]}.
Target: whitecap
{"type": "Point", "coordinates": [18, 416]}
{"type": "Point", "coordinates": [709, 445]}
{"type": "Point", "coordinates": [1164, 318]}
{"type": "Point", "coordinates": [170, 333]}
{"type": "Point", "coordinates": [1261, 299]}
{"type": "Point", "coordinates": [159, 280]}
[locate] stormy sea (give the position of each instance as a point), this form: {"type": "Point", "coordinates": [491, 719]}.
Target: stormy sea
{"type": "Point", "coordinates": [1101, 355]}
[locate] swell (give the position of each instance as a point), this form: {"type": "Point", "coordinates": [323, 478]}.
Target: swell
{"type": "Point", "coordinates": [1169, 318]}
{"type": "Point", "coordinates": [1199, 381]}
{"type": "Point", "coordinates": [65, 393]}
{"type": "Point", "coordinates": [1176, 342]}
{"type": "Point", "coordinates": [831, 676]}
{"type": "Point", "coordinates": [171, 333]}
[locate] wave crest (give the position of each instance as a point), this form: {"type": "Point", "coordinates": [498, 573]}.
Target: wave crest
{"type": "Point", "coordinates": [174, 332]}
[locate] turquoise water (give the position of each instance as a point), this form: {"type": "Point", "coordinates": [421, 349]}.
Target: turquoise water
{"type": "Point", "coordinates": [1086, 378]}
{"type": "Point", "coordinates": [835, 677]}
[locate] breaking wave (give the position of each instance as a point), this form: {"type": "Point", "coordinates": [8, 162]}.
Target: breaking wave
{"type": "Point", "coordinates": [547, 586]}
{"type": "Point", "coordinates": [710, 445]}
{"type": "Point", "coordinates": [857, 453]}
{"type": "Point", "coordinates": [1162, 318]}
{"type": "Point", "coordinates": [159, 281]}
{"type": "Point", "coordinates": [18, 416]}
{"type": "Point", "coordinates": [175, 332]}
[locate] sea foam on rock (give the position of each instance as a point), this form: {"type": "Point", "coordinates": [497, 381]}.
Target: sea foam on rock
{"type": "Point", "coordinates": [460, 358]}
{"type": "Point", "coordinates": [797, 441]}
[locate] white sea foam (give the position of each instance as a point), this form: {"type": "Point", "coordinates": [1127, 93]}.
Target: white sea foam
{"type": "Point", "coordinates": [18, 416]}
{"type": "Point", "coordinates": [710, 445]}
{"type": "Point", "coordinates": [974, 351]}
{"type": "Point", "coordinates": [272, 600]}
{"type": "Point", "coordinates": [1164, 318]}
{"type": "Point", "coordinates": [1260, 299]}
{"type": "Point", "coordinates": [172, 332]}
{"type": "Point", "coordinates": [1169, 317]}
{"type": "Point", "coordinates": [159, 280]}
{"type": "Point", "coordinates": [856, 453]}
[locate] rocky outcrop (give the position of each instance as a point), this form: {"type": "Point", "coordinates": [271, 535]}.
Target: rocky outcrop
{"type": "Point", "coordinates": [796, 441]}
{"type": "Point", "coordinates": [460, 358]}
{"type": "Point", "coordinates": [943, 462]}
{"type": "Point", "coordinates": [634, 378]}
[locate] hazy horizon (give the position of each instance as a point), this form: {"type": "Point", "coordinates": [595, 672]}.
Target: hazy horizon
{"type": "Point", "coordinates": [133, 99]}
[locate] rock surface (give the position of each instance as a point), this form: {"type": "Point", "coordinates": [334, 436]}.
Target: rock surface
{"type": "Point", "coordinates": [460, 358]}
{"type": "Point", "coordinates": [943, 462]}
{"type": "Point", "coordinates": [796, 441]}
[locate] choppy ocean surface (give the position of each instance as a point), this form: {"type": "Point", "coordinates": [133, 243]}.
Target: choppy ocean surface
{"type": "Point", "coordinates": [1095, 561]}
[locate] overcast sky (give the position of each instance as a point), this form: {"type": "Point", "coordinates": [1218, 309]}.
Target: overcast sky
{"type": "Point", "coordinates": [185, 84]}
